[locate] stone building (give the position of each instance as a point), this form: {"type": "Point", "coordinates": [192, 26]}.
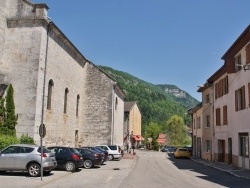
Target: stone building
{"type": "Point", "coordinates": [54, 84]}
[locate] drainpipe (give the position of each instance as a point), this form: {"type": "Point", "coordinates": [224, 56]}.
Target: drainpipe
{"type": "Point", "coordinates": [43, 96]}
{"type": "Point", "coordinates": [112, 120]}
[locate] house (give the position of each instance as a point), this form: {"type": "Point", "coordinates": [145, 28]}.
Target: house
{"type": "Point", "coordinates": [54, 84]}
{"type": "Point", "coordinates": [196, 113]}
{"type": "Point", "coordinates": [161, 139]}
{"type": "Point", "coordinates": [225, 103]}
{"type": "Point", "coordinates": [132, 124]}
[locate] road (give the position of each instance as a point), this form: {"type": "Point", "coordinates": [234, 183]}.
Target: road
{"type": "Point", "coordinates": [150, 170]}
{"type": "Point", "coordinates": [157, 169]}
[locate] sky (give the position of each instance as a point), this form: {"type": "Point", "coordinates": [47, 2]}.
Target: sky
{"type": "Point", "coordinates": [178, 42]}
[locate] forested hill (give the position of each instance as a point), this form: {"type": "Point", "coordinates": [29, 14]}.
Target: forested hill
{"type": "Point", "coordinates": [156, 102]}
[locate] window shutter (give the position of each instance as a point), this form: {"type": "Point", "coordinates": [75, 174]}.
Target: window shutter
{"type": "Point", "coordinates": [249, 94]}
{"type": "Point", "coordinates": [236, 101]}
{"type": "Point", "coordinates": [243, 98]}
{"type": "Point", "coordinates": [224, 115]}
{"type": "Point", "coordinates": [248, 54]}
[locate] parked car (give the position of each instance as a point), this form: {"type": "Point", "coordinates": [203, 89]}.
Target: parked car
{"type": "Point", "coordinates": [113, 150]}
{"type": "Point", "coordinates": [182, 153]}
{"type": "Point", "coordinates": [168, 149]}
{"type": "Point", "coordinates": [67, 158]}
{"type": "Point", "coordinates": [104, 153]}
{"type": "Point", "coordinates": [90, 157]}
{"type": "Point", "coordinates": [25, 157]}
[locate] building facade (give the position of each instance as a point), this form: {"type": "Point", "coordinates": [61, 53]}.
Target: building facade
{"type": "Point", "coordinates": [230, 90]}
{"type": "Point", "coordinates": [54, 83]}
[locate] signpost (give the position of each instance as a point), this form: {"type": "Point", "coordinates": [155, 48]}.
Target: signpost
{"type": "Point", "coordinates": [42, 133]}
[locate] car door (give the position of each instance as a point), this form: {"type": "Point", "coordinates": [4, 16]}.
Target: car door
{"type": "Point", "coordinates": [23, 157]}
{"type": "Point", "coordinates": [7, 158]}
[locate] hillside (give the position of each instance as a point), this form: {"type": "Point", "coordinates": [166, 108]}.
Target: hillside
{"type": "Point", "coordinates": [156, 102]}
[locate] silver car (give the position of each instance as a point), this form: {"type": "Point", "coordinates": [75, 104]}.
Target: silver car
{"type": "Point", "coordinates": [25, 157]}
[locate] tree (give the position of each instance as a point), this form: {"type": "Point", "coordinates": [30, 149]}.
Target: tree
{"type": "Point", "coordinates": [152, 131]}
{"type": "Point", "coordinates": [176, 131]}
{"type": "Point", "coordinates": [10, 120]}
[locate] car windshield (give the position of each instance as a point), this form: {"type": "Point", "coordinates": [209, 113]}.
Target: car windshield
{"type": "Point", "coordinates": [113, 147]}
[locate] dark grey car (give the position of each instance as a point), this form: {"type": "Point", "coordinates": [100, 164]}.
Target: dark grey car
{"type": "Point", "coordinates": [25, 157]}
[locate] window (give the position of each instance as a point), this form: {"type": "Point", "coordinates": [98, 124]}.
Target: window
{"type": "Point", "coordinates": [194, 124]}
{"type": "Point", "coordinates": [240, 103]}
{"type": "Point", "coordinates": [244, 144]}
{"type": "Point", "coordinates": [65, 100]}
{"type": "Point", "coordinates": [217, 116]}
{"type": "Point", "coordinates": [50, 90]}
{"type": "Point", "coordinates": [207, 98]}
{"type": "Point", "coordinates": [221, 87]}
{"type": "Point", "coordinates": [207, 145]}
{"type": "Point", "coordinates": [248, 53]}
{"type": "Point", "coordinates": [116, 103]}
{"type": "Point", "coordinates": [238, 64]}
{"type": "Point", "coordinates": [208, 121]}
{"type": "Point", "coordinates": [224, 115]}
{"type": "Point", "coordinates": [199, 122]}
{"type": "Point", "coordinates": [77, 104]}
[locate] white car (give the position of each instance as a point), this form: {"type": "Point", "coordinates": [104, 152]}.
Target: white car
{"type": "Point", "coordinates": [114, 151]}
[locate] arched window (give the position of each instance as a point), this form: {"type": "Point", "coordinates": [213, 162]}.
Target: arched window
{"type": "Point", "coordinates": [116, 103]}
{"type": "Point", "coordinates": [77, 104]}
{"type": "Point", "coordinates": [65, 100]}
{"type": "Point", "coordinates": [50, 91]}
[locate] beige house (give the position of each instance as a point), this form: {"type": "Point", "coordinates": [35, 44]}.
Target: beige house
{"type": "Point", "coordinates": [54, 84]}
{"type": "Point", "coordinates": [132, 124]}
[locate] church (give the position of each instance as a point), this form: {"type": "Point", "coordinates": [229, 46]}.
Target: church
{"type": "Point", "coordinates": [54, 84]}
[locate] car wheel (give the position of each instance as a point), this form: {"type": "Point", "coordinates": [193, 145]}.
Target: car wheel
{"type": "Point", "coordinates": [70, 166]}
{"type": "Point", "coordinates": [87, 164]}
{"type": "Point", "coordinates": [34, 170]}
{"type": "Point", "coordinates": [111, 157]}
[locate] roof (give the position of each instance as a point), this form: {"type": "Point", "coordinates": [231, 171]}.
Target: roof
{"type": "Point", "coordinates": [138, 137]}
{"type": "Point", "coordinates": [238, 44]}
{"type": "Point", "coordinates": [128, 106]}
{"type": "Point", "coordinates": [194, 109]}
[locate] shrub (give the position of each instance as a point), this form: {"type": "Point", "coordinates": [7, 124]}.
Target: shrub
{"type": "Point", "coordinates": [25, 139]}
{"type": "Point", "coordinates": [6, 140]}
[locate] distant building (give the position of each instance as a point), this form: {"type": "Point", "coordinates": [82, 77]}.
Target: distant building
{"type": "Point", "coordinates": [132, 124]}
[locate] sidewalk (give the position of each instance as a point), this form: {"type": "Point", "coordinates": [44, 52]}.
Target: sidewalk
{"type": "Point", "coordinates": [128, 156]}
{"type": "Point", "coordinates": [239, 172]}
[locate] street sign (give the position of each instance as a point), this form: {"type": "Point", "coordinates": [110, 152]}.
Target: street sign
{"type": "Point", "coordinates": [42, 130]}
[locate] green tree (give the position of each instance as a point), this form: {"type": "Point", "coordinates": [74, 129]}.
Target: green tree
{"type": "Point", "coordinates": [176, 131]}
{"type": "Point", "coordinates": [11, 117]}
{"type": "Point", "coordinates": [152, 131]}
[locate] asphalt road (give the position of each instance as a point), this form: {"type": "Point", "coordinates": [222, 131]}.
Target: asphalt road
{"type": "Point", "coordinates": [157, 169]}
{"type": "Point", "coordinates": [150, 170]}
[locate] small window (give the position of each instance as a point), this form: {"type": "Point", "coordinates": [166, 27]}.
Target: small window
{"type": "Point", "coordinates": [116, 103]}
{"type": "Point", "coordinates": [77, 104]}
{"type": "Point", "coordinates": [240, 103]}
{"type": "Point", "coordinates": [65, 100]}
{"type": "Point", "coordinates": [207, 98]}
{"type": "Point", "coordinates": [207, 121]}
{"type": "Point", "coordinates": [50, 91]}
{"type": "Point", "coordinates": [238, 64]}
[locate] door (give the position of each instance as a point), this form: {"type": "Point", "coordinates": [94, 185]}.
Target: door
{"type": "Point", "coordinates": [230, 154]}
{"type": "Point", "coordinates": [7, 158]}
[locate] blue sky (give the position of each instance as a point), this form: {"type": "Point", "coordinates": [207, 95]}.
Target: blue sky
{"type": "Point", "coordinates": [177, 42]}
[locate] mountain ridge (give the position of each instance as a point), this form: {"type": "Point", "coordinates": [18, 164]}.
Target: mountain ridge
{"type": "Point", "coordinates": [156, 102]}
